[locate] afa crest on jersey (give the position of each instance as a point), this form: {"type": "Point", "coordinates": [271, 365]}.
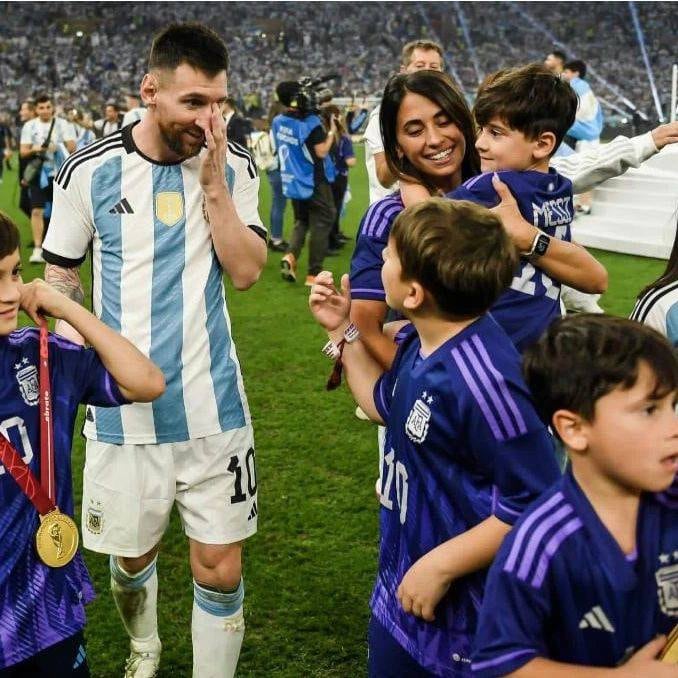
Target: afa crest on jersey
{"type": "Point", "coordinates": [28, 383]}
{"type": "Point", "coordinates": [418, 419]}
{"type": "Point", "coordinates": [169, 207]}
{"type": "Point", "coordinates": [667, 589]}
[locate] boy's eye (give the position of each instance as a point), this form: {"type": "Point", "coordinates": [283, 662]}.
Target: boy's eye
{"type": "Point", "coordinates": [651, 408]}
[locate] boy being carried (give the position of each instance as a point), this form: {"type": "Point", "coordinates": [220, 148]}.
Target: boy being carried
{"type": "Point", "coordinates": [523, 115]}
{"type": "Point", "coordinates": [465, 451]}
{"type": "Point", "coordinates": [587, 577]}
{"type": "Point", "coordinates": [41, 607]}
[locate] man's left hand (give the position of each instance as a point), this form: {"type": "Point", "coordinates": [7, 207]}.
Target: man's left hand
{"type": "Point", "coordinates": [213, 167]}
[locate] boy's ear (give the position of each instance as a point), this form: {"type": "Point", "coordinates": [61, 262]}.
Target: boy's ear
{"type": "Point", "coordinates": [416, 296]}
{"type": "Point", "coordinates": [544, 145]}
{"type": "Point", "coordinates": [572, 430]}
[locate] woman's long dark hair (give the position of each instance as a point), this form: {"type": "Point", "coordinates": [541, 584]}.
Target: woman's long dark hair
{"type": "Point", "coordinates": [441, 90]}
{"type": "Point", "coordinates": [670, 274]}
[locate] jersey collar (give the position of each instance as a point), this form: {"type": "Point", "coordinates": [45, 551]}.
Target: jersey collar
{"type": "Point", "coordinates": [620, 573]}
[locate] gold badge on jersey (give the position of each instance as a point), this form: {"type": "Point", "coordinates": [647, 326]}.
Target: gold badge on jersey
{"type": "Point", "coordinates": [169, 207]}
{"type": "Point", "coordinates": [56, 539]}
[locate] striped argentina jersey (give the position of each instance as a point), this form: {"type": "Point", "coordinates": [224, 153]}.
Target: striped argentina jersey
{"type": "Point", "coordinates": [463, 443]}
{"type": "Point", "coordinates": [562, 588]}
{"type": "Point", "coordinates": [658, 308]}
{"type": "Point", "coordinates": [156, 280]}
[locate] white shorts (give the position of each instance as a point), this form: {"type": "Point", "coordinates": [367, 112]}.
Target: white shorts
{"type": "Point", "coordinates": [129, 490]}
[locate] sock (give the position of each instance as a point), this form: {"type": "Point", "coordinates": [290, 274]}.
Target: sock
{"type": "Point", "coordinates": [218, 630]}
{"type": "Point", "coordinates": [136, 597]}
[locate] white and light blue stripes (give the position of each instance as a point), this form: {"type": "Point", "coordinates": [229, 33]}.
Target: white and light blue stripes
{"type": "Point", "coordinates": [107, 182]}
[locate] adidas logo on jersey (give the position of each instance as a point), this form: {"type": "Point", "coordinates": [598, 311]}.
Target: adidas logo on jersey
{"type": "Point", "coordinates": [254, 512]}
{"type": "Point", "coordinates": [122, 207]}
{"type": "Point", "coordinates": [596, 619]}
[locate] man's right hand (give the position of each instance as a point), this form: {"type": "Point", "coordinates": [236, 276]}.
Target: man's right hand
{"type": "Point", "coordinates": [329, 306]}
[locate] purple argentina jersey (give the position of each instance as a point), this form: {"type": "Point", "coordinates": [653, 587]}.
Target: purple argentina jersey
{"type": "Point", "coordinates": [40, 606]}
{"type": "Point", "coordinates": [463, 442]}
{"type": "Point", "coordinates": [532, 302]}
{"type": "Point", "coordinates": [375, 227]}
{"type": "Point", "coordinates": [561, 587]}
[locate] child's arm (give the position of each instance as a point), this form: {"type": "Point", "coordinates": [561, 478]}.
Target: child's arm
{"type": "Point", "coordinates": [427, 581]}
{"type": "Point", "coordinates": [643, 663]}
{"type": "Point", "coordinates": [137, 377]}
{"type": "Point", "coordinates": [331, 310]}
{"type": "Point", "coordinates": [565, 262]}
{"type": "Point", "coordinates": [368, 316]}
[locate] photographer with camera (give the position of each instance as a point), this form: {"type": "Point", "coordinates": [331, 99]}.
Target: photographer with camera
{"type": "Point", "coordinates": [303, 145]}
{"type": "Point", "coordinates": [40, 138]}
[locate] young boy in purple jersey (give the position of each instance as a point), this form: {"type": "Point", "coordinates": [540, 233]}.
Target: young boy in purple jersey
{"type": "Point", "coordinates": [465, 451]}
{"type": "Point", "coordinates": [589, 575]}
{"type": "Point", "coordinates": [42, 608]}
{"type": "Point", "coordinates": [523, 114]}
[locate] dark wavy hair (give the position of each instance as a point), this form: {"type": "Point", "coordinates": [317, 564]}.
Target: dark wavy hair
{"type": "Point", "coordinates": [9, 236]}
{"type": "Point", "coordinates": [441, 90]}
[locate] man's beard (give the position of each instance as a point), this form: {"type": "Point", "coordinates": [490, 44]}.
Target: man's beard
{"type": "Point", "coordinates": [174, 142]}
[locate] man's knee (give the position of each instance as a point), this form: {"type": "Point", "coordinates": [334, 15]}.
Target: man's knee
{"type": "Point", "coordinates": [219, 566]}
{"type": "Point", "coordinates": [135, 565]}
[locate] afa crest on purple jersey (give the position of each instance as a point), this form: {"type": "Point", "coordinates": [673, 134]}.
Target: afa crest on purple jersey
{"type": "Point", "coordinates": [562, 588]}
{"type": "Point", "coordinates": [463, 443]}
{"type": "Point", "coordinates": [41, 606]}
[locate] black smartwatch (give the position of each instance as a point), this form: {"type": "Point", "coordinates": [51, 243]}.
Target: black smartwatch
{"type": "Point", "coordinates": [539, 245]}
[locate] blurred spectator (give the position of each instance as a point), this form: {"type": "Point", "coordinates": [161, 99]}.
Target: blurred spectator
{"type": "Point", "coordinates": [238, 129]}
{"type": "Point", "coordinates": [111, 122]}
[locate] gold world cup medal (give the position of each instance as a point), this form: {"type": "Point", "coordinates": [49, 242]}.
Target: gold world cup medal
{"type": "Point", "coordinates": [56, 539]}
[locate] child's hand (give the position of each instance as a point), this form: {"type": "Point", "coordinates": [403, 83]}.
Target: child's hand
{"type": "Point", "coordinates": [422, 587]}
{"type": "Point", "coordinates": [330, 307]}
{"type": "Point", "coordinates": [40, 298]}
{"type": "Point", "coordinates": [645, 663]}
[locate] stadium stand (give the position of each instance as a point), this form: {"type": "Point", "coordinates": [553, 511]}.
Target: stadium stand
{"type": "Point", "coordinates": [86, 56]}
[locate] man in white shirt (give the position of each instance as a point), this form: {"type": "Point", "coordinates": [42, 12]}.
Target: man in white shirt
{"type": "Point", "coordinates": [40, 137]}
{"type": "Point", "coordinates": [111, 122]}
{"type": "Point", "coordinates": [135, 111]}
{"type": "Point", "coordinates": [418, 55]}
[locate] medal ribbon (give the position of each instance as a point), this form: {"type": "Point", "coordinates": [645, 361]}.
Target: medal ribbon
{"type": "Point", "coordinates": [41, 494]}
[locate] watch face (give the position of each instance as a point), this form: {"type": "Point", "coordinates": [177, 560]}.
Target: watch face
{"type": "Point", "coordinates": [542, 245]}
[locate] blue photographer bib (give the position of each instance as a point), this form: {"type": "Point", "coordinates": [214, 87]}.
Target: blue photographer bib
{"type": "Point", "coordinates": [296, 162]}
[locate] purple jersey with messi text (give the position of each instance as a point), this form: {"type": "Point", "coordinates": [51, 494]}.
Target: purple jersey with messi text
{"type": "Point", "coordinates": [532, 302]}
{"type": "Point", "coordinates": [463, 443]}
{"type": "Point", "coordinates": [39, 605]}
{"type": "Point", "coordinates": [561, 587]}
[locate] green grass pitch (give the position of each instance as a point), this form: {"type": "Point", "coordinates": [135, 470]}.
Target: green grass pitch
{"type": "Point", "coordinates": [309, 570]}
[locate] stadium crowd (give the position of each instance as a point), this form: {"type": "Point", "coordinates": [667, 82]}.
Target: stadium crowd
{"type": "Point", "coordinates": [86, 56]}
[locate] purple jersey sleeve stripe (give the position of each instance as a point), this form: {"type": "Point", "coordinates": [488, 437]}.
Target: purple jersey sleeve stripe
{"type": "Point", "coordinates": [525, 528]}
{"type": "Point", "coordinates": [471, 182]}
{"type": "Point", "coordinates": [372, 293]}
{"type": "Point", "coordinates": [388, 219]}
{"type": "Point", "coordinates": [553, 544]}
{"type": "Point", "coordinates": [375, 215]}
{"type": "Point", "coordinates": [666, 500]}
{"type": "Point", "coordinates": [113, 391]}
{"type": "Point", "coordinates": [512, 512]}
{"type": "Point", "coordinates": [534, 545]}
{"type": "Point", "coordinates": [477, 394]}
{"type": "Point", "coordinates": [510, 401]}
{"type": "Point", "coordinates": [481, 373]}
{"type": "Point", "coordinates": [501, 659]}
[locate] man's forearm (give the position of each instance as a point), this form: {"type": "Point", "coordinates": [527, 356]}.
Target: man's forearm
{"type": "Point", "coordinates": [66, 281]}
{"type": "Point", "coordinates": [241, 252]}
